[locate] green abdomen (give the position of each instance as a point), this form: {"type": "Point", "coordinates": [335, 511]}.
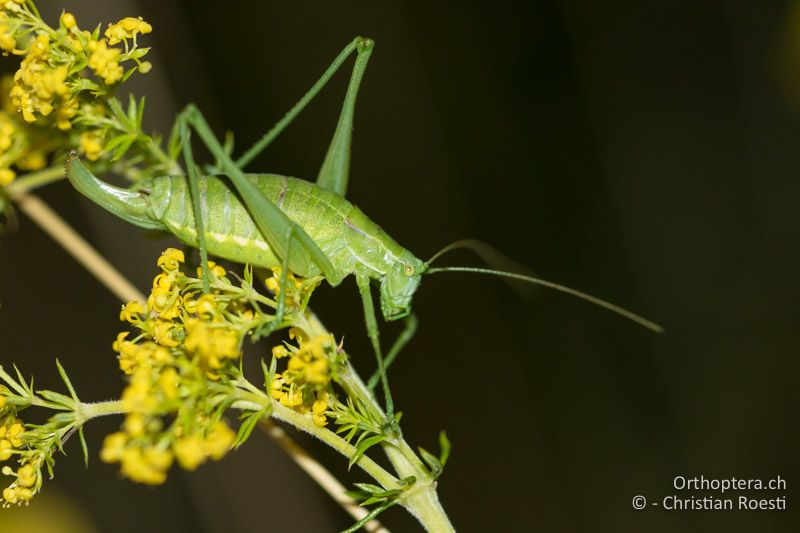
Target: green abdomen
{"type": "Point", "coordinates": [230, 231]}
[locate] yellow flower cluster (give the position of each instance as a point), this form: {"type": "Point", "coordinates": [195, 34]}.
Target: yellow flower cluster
{"type": "Point", "coordinates": [304, 385]}
{"type": "Point", "coordinates": [127, 28]}
{"type": "Point", "coordinates": [39, 85]}
{"type": "Point", "coordinates": [105, 62]}
{"type": "Point", "coordinates": [48, 79]}
{"type": "Point", "coordinates": [27, 480]}
{"type": "Point", "coordinates": [273, 282]}
{"type": "Point", "coordinates": [10, 435]}
{"type": "Point", "coordinates": [144, 464]}
{"type": "Point", "coordinates": [18, 145]}
{"type": "Point", "coordinates": [26, 485]}
{"type": "Point", "coordinates": [8, 40]}
{"type": "Point", "coordinates": [212, 343]}
{"type": "Point", "coordinates": [6, 141]}
{"type": "Point", "coordinates": [193, 450]}
{"type": "Point", "coordinates": [63, 75]}
{"type": "Point", "coordinates": [186, 340]}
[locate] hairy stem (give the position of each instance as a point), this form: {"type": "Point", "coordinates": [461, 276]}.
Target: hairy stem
{"type": "Point", "coordinates": [88, 411]}
{"type": "Point", "coordinates": [421, 500]}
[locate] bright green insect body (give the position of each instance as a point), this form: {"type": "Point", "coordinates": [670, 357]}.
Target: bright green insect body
{"type": "Point", "coordinates": [352, 242]}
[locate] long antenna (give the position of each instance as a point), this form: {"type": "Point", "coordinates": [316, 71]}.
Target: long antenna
{"type": "Point", "coordinates": [549, 284]}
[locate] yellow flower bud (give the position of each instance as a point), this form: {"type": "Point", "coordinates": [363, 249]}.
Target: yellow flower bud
{"type": "Point", "coordinates": [131, 311]}
{"type": "Point", "coordinates": [164, 334]}
{"type": "Point", "coordinates": [137, 466]}
{"type": "Point", "coordinates": [92, 144]}
{"type": "Point", "coordinates": [40, 46]}
{"type": "Point", "coordinates": [32, 161]}
{"type": "Point", "coordinates": [319, 407]}
{"type": "Point", "coordinates": [273, 285]}
{"type": "Point", "coordinates": [10, 495]}
{"type": "Point", "coordinates": [134, 424]}
{"type": "Point", "coordinates": [113, 445]}
{"type": "Point", "coordinates": [68, 20]}
{"type": "Point", "coordinates": [105, 62]}
{"type": "Point", "coordinates": [206, 305]}
{"type": "Point", "coordinates": [159, 459]}
{"type": "Point", "coordinates": [279, 351]}
{"type": "Point", "coordinates": [24, 494]}
{"type": "Point", "coordinates": [219, 440]}
{"type": "Point", "coordinates": [26, 475]}
{"type": "Point", "coordinates": [215, 269]}
{"type": "Point", "coordinates": [293, 398]}
{"type": "Point", "coordinates": [7, 41]}
{"type": "Point", "coordinates": [5, 450]}
{"type": "Point", "coordinates": [169, 381]}
{"type": "Point", "coordinates": [170, 259]}
{"type": "Point", "coordinates": [6, 176]}
{"type": "Point", "coordinates": [189, 452]}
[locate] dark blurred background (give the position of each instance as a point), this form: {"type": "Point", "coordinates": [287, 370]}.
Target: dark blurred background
{"type": "Point", "coordinates": [646, 152]}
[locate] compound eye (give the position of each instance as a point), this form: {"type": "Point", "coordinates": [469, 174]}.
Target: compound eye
{"type": "Point", "coordinates": [409, 270]}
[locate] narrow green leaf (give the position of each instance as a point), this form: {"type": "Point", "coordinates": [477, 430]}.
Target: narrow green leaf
{"type": "Point", "coordinates": [174, 146]}
{"type": "Point", "coordinates": [116, 141]}
{"type": "Point", "coordinates": [267, 375]}
{"type": "Point", "coordinates": [444, 444]}
{"type": "Point", "coordinates": [128, 74]}
{"type": "Point", "coordinates": [11, 382]}
{"type": "Point", "coordinates": [84, 447]}
{"type": "Point", "coordinates": [66, 381]}
{"type": "Point", "coordinates": [20, 379]}
{"type": "Point", "coordinates": [33, 9]}
{"type": "Point", "coordinates": [87, 84]}
{"type": "Point", "coordinates": [363, 447]}
{"type": "Point", "coordinates": [372, 514]}
{"type": "Point", "coordinates": [246, 428]}
{"type": "Point", "coordinates": [227, 145]}
{"type": "Point", "coordinates": [408, 481]}
{"type": "Point", "coordinates": [132, 111]}
{"type": "Point", "coordinates": [369, 487]}
{"type": "Point", "coordinates": [139, 53]}
{"type": "Point", "coordinates": [62, 400]}
{"type": "Point", "coordinates": [119, 114]}
{"type": "Point", "coordinates": [78, 66]}
{"type": "Point", "coordinates": [433, 463]}
{"type": "Point", "coordinates": [371, 500]}
{"type": "Point", "coordinates": [123, 147]}
{"type": "Point", "coordinates": [140, 114]}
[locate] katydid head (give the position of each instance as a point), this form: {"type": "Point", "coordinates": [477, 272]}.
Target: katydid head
{"type": "Point", "coordinates": [399, 285]}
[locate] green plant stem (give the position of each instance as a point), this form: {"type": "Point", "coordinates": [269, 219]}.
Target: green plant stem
{"type": "Point", "coordinates": [34, 180]}
{"type": "Point", "coordinates": [423, 503]}
{"type": "Point", "coordinates": [172, 167]}
{"type": "Point", "coordinates": [88, 411]}
{"type": "Point", "coordinates": [421, 500]}
{"type": "Point", "coordinates": [257, 402]}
